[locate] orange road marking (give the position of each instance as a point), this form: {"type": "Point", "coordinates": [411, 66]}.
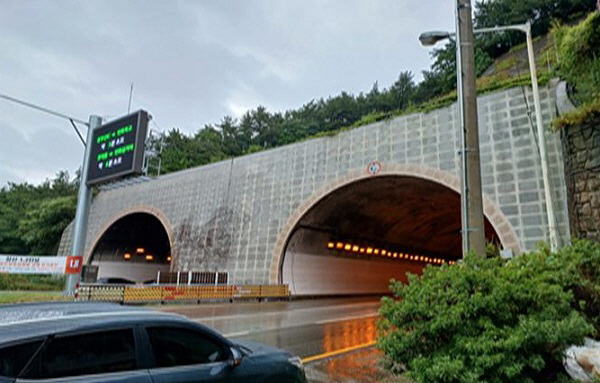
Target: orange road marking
{"type": "Point", "coordinates": [336, 352]}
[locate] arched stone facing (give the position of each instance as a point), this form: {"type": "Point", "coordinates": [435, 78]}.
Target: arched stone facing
{"type": "Point", "coordinates": [497, 219]}
{"type": "Point", "coordinates": [151, 210]}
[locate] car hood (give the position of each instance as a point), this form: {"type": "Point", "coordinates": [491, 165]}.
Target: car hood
{"type": "Point", "coordinates": [261, 349]}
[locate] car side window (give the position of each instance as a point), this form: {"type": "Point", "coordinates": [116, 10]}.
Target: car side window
{"type": "Point", "coordinates": [175, 346]}
{"type": "Point", "coordinates": [14, 358]}
{"type": "Point", "coordinates": [85, 354]}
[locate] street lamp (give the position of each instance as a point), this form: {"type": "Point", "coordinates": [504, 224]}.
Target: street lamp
{"type": "Point", "coordinates": [430, 38]}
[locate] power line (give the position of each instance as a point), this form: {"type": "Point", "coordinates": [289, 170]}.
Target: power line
{"type": "Point", "coordinates": [72, 120]}
{"type": "Point", "coordinates": [41, 108]}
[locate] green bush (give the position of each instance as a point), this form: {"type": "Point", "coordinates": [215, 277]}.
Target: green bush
{"type": "Point", "coordinates": [31, 282]}
{"type": "Point", "coordinates": [490, 320]}
{"type": "Point", "coordinates": [579, 55]}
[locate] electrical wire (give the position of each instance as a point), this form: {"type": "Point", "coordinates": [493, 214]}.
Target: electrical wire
{"type": "Point", "coordinates": [42, 109]}
{"type": "Point", "coordinates": [72, 120]}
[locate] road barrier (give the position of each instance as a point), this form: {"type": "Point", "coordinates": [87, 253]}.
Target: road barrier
{"type": "Point", "coordinates": [167, 293]}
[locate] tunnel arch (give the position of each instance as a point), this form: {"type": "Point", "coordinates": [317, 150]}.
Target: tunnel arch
{"type": "Point", "coordinates": [495, 219]}
{"type": "Point", "coordinates": [128, 224]}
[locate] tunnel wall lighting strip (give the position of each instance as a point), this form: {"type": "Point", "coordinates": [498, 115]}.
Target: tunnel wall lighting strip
{"type": "Point", "coordinates": [351, 248]}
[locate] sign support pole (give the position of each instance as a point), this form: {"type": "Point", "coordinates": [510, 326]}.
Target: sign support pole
{"type": "Point", "coordinates": [83, 206]}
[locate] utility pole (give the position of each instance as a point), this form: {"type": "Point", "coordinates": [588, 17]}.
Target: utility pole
{"type": "Point", "coordinates": [83, 205]}
{"type": "Point", "coordinates": [474, 230]}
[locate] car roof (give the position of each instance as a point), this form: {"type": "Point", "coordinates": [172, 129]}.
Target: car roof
{"type": "Point", "coordinates": [33, 320]}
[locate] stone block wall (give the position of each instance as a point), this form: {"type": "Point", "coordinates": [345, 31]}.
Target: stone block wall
{"type": "Point", "coordinates": [581, 147]}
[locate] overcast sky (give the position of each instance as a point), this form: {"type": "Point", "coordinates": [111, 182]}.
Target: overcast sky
{"type": "Point", "coordinates": [191, 62]}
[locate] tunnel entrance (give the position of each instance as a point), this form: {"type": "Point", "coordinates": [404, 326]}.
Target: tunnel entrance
{"type": "Point", "coordinates": [358, 237]}
{"type": "Point", "coordinates": [134, 248]}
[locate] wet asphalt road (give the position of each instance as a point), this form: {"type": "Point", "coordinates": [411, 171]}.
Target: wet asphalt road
{"type": "Point", "coordinates": [306, 327]}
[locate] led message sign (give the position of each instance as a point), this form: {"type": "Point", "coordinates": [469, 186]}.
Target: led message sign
{"type": "Point", "coordinates": [118, 148]}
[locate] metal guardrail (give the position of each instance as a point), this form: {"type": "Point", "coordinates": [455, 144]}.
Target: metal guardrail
{"type": "Point", "coordinates": [167, 293]}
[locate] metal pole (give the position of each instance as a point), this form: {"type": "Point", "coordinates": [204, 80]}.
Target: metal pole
{"type": "Point", "coordinates": [464, 191]}
{"type": "Point", "coordinates": [475, 228]}
{"type": "Point", "coordinates": [542, 141]}
{"type": "Point", "coordinates": [83, 207]}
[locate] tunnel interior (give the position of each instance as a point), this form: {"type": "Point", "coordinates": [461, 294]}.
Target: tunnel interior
{"type": "Point", "coordinates": [135, 248]}
{"type": "Point", "coordinates": [359, 236]}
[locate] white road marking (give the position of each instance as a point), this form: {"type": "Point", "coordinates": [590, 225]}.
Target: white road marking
{"type": "Point", "coordinates": [234, 334]}
{"type": "Point", "coordinates": [346, 318]}
{"type": "Point", "coordinates": [263, 314]}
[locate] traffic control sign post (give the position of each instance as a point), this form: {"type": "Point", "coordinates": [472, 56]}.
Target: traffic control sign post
{"type": "Point", "coordinates": [83, 207]}
{"type": "Point", "coordinates": [113, 150]}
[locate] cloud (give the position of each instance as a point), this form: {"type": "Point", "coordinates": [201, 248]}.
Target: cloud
{"type": "Point", "coordinates": [39, 156]}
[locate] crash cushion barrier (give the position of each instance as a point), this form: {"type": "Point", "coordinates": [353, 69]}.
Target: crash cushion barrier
{"type": "Point", "coordinates": [100, 293]}
{"type": "Point", "coordinates": [178, 293]}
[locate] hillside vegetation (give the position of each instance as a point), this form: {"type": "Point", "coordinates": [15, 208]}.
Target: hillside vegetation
{"type": "Point", "coordinates": [579, 52]}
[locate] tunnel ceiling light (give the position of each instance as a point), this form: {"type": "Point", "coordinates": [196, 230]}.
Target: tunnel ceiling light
{"type": "Point", "coordinates": [139, 250]}
{"type": "Point", "coordinates": [349, 247]}
{"type": "Point", "coordinates": [127, 256]}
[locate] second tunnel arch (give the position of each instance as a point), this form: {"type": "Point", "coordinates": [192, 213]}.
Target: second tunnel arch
{"type": "Point", "coordinates": [137, 218]}
{"type": "Point", "coordinates": [422, 179]}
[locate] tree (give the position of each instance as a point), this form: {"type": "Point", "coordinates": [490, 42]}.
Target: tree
{"type": "Point", "coordinates": [43, 224]}
{"type": "Point", "coordinates": [541, 13]}
{"type": "Point", "coordinates": [402, 91]}
{"type": "Point", "coordinates": [24, 206]}
{"type": "Point", "coordinates": [232, 145]}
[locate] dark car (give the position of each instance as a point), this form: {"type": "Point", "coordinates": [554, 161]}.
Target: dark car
{"type": "Point", "coordinates": [101, 342]}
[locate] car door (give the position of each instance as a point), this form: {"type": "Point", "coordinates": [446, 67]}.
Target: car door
{"type": "Point", "coordinates": [93, 356]}
{"type": "Point", "coordinates": [186, 355]}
